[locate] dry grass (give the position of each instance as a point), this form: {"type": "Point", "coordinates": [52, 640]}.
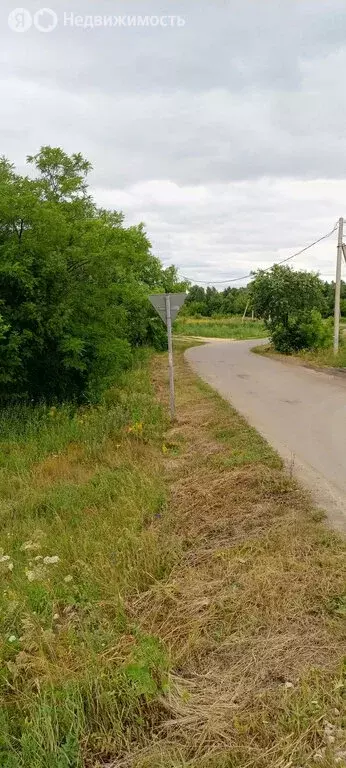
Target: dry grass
{"type": "Point", "coordinates": [202, 622]}
{"type": "Point", "coordinates": [319, 358]}
{"type": "Point", "coordinates": [253, 613]}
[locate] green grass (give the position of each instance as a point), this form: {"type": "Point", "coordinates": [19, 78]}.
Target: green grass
{"type": "Point", "coordinates": [159, 587]}
{"type": "Point", "coordinates": [221, 328]}
{"type": "Point", "coordinates": [325, 357]}
{"type": "Point", "coordinates": [321, 358]}
{"type": "Point", "coordinates": [82, 488]}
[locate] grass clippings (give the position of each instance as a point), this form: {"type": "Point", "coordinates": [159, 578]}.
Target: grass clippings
{"type": "Point", "coordinates": [169, 596]}
{"type": "Point", "coordinates": [248, 612]}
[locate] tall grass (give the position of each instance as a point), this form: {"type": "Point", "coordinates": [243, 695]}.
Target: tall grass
{"type": "Point", "coordinates": [81, 495]}
{"type": "Point", "coordinates": [320, 358]}
{"type": "Point", "coordinates": [220, 327]}
{"type": "Point", "coordinates": [326, 357]}
{"type": "Point", "coordinates": [169, 598]}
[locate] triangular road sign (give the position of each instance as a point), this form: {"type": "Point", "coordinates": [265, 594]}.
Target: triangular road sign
{"type": "Point", "coordinates": [158, 301]}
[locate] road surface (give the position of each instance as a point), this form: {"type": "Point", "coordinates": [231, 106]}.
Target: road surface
{"type": "Point", "coordinates": [300, 411]}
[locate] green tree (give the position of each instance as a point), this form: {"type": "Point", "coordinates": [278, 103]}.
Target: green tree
{"type": "Point", "coordinates": [209, 302]}
{"type": "Point", "coordinates": [74, 284]}
{"type": "Point", "coordinates": [329, 295]}
{"type": "Point", "coordinates": [291, 304]}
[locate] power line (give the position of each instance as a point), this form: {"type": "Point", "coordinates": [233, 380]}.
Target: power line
{"type": "Point", "coordinates": [288, 258]}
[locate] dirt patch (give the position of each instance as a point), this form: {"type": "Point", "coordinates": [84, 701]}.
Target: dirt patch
{"type": "Point", "coordinates": [68, 466]}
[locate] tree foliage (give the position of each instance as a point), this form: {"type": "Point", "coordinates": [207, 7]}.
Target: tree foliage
{"type": "Point", "coordinates": [329, 296]}
{"type": "Point", "coordinates": [74, 283]}
{"type": "Point", "coordinates": [291, 304]}
{"type": "Point", "coordinates": [210, 302]}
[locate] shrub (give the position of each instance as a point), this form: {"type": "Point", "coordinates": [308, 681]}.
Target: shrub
{"type": "Point", "coordinates": [307, 332]}
{"type": "Point", "coordinates": [74, 285]}
{"type": "Point", "coordinates": [291, 302]}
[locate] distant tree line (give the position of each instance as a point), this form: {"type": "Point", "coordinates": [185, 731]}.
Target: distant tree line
{"type": "Point", "coordinates": [74, 284]}
{"type": "Point", "coordinates": [296, 306]}
{"type": "Point", "coordinates": [210, 302]}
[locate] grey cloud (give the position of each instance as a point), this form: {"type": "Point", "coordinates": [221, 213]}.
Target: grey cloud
{"type": "Point", "coordinates": [230, 109]}
{"type": "Point", "coordinates": [233, 45]}
{"type": "Point", "coordinates": [237, 227]}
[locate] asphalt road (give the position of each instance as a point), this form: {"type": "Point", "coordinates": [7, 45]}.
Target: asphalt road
{"type": "Point", "coordinates": [300, 411]}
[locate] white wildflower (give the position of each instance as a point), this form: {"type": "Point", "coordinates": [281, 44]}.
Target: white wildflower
{"type": "Point", "coordinates": [330, 739]}
{"type": "Point", "coordinates": [10, 566]}
{"type": "Point", "coordinates": [51, 560]}
{"type": "Point", "coordinates": [56, 617]}
{"type": "Point", "coordinates": [68, 579]}
{"type": "Point", "coordinates": [329, 732]}
{"type": "Point", "coordinates": [288, 685]}
{"type": "Point", "coordinates": [4, 558]}
{"type": "Point", "coordinates": [38, 558]}
{"type": "Point", "coordinates": [30, 575]}
{"type": "Point", "coordinates": [12, 639]}
{"type": "Point", "coordinates": [29, 546]}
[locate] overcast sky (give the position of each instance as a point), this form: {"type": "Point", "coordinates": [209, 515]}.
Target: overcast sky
{"type": "Point", "coordinates": [226, 135]}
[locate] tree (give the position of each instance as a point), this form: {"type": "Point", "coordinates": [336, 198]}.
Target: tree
{"type": "Point", "coordinates": [329, 295]}
{"type": "Point", "coordinates": [209, 302]}
{"type": "Point", "coordinates": [74, 284]}
{"type": "Point", "coordinates": [291, 303]}
{"type": "Point", "coordinates": [62, 177]}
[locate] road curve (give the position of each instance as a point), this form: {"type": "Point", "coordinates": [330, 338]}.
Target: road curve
{"type": "Point", "coordinates": [300, 411]}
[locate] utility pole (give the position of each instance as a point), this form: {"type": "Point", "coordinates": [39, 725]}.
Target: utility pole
{"type": "Point", "coordinates": [245, 310]}
{"type": "Point", "coordinates": [170, 355]}
{"type": "Point", "coordinates": [338, 287]}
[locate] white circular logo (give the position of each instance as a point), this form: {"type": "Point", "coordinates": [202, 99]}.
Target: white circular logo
{"type": "Point", "coordinates": [45, 20]}
{"type": "Point", "coordinates": [20, 20]}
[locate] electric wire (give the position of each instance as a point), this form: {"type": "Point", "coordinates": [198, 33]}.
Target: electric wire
{"type": "Point", "coordinates": [283, 261]}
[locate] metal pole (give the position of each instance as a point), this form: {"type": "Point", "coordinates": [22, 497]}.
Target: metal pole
{"type": "Point", "coordinates": [338, 287]}
{"type": "Point", "coordinates": [170, 355]}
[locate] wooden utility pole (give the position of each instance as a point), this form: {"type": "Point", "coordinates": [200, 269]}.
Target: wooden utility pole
{"type": "Point", "coordinates": [338, 287]}
{"type": "Point", "coordinates": [245, 310]}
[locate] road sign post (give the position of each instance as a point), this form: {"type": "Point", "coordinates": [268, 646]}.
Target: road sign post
{"type": "Point", "coordinates": [167, 305]}
{"type": "Point", "coordinates": [170, 356]}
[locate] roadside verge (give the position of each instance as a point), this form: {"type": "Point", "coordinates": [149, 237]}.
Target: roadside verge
{"type": "Point", "coordinates": [254, 609]}
{"type": "Point", "coordinates": [170, 596]}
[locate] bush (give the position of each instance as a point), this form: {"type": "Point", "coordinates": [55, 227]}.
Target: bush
{"type": "Point", "coordinates": [307, 332]}
{"type": "Point", "coordinates": [74, 285]}
{"type": "Point", "coordinates": [291, 303]}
